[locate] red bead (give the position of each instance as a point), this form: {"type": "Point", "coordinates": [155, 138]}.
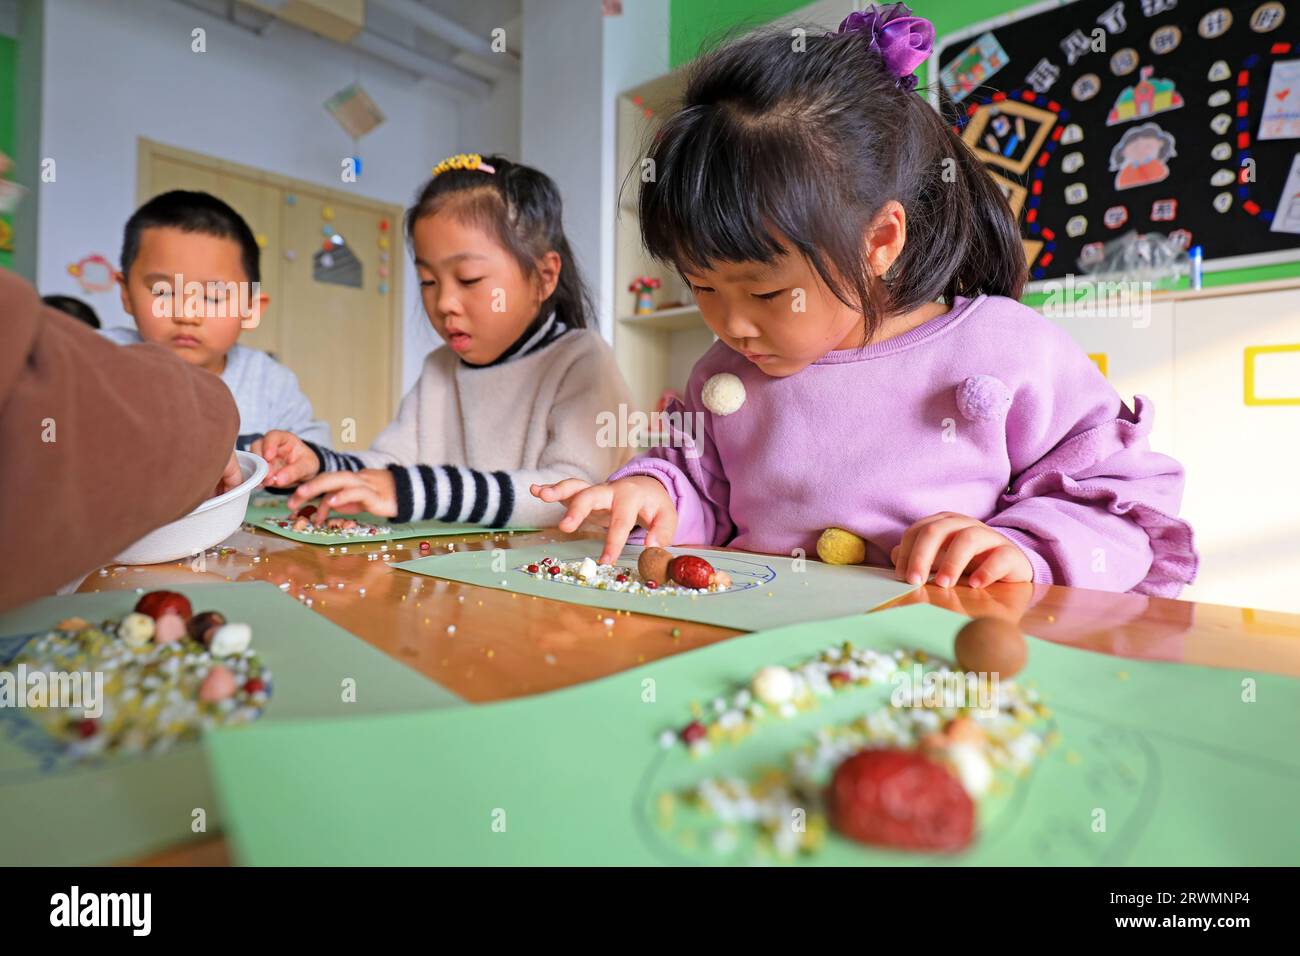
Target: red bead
{"type": "Point", "coordinates": [899, 798]}
{"type": "Point", "coordinates": [621, 578]}
{"type": "Point", "coordinates": [424, 546]}
{"type": "Point", "coordinates": [838, 677]}
{"type": "Point", "coordinates": [694, 731]}
{"type": "Point", "coordinates": [650, 585]}
{"type": "Point", "coordinates": [254, 684]}
{"type": "Point", "coordinates": [157, 603]}
{"type": "Point", "coordinates": [533, 569]}
{"type": "Point", "coordinates": [552, 570]}
{"type": "Point", "coordinates": [690, 571]}
{"type": "Point", "coordinates": [87, 728]}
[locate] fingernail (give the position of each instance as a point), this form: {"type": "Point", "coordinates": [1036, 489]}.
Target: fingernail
{"type": "Point", "coordinates": [977, 582]}
{"type": "Point", "coordinates": [914, 578]}
{"type": "Point", "coordinates": [942, 581]}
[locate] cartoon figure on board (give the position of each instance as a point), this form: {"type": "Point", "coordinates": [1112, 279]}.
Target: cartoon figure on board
{"type": "Point", "coordinates": [1141, 156]}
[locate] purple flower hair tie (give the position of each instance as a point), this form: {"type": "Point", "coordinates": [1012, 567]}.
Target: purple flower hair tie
{"type": "Point", "coordinates": [903, 41]}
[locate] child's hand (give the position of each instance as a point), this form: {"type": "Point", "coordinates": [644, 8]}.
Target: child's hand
{"type": "Point", "coordinates": [621, 505]}
{"type": "Point", "coordinates": [957, 542]}
{"type": "Point", "coordinates": [232, 477]}
{"type": "Point", "coordinates": [291, 461]}
{"type": "Point", "coordinates": [371, 489]}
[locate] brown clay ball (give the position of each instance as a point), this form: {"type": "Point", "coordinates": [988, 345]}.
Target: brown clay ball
{"type": "Point", "coordinates": [991, 645]}
{"type": "Point", "coordinates": [652, 565]}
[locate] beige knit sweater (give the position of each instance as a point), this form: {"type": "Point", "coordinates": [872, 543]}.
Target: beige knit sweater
{"type": "Point", "coordinates": [467, 441]}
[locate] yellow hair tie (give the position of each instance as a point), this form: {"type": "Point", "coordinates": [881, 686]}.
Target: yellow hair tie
{"type": "Point", "coordinates": [463, 161]}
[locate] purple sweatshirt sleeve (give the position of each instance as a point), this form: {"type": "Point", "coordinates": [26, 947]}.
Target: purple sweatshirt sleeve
{"type": "Point", "coordinates": [1089, 503]}
{"type": "Point", "coordinates": [687, 464]}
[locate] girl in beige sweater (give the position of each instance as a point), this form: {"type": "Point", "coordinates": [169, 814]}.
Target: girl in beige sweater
{"type": "Point", "coordinates": [513, 397]}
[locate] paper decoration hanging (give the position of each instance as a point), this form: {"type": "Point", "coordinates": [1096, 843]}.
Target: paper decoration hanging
{"type": "Point", "coordinates": [977, 63]}
{"type": "Point", "coordinates": [1287, 218]}
{"type": "Point", "coordinates": [1008, 134]}
{"type": "Point", "coordinates": [337, 265]}
{"type": "Point", "coordinates": [1166, 39]}
{"type": "Point", "coordinates": [1267, 17]}
{"type": "Point", "coordinates": [93, 273]}
{"type": "Point", "coordinates": [1281, 117]}
{"type": "Point", "coordinates": [1141, 156]}
{"type": "Point", "coordinates": [1124, 61]}
{"type": "Point", "coordinates": [1086, 87]}
{"type": "Point", "coordinates": [1215, 23]}
{"type": "Point", "coordinates": [354, 110]}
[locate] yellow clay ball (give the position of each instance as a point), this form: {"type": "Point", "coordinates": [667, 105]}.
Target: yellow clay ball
{"type": "Point", "coordinates": [837, 546]}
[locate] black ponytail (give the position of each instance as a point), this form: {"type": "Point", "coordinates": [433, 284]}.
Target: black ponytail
{"type": "Point", "coordinates": [521, 206]}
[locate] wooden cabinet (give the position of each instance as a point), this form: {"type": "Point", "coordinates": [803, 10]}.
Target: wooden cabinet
{"type": "Point", "coordinates": [1240, 445]}
{"type": "Point", "coordinates": [1223, 369]}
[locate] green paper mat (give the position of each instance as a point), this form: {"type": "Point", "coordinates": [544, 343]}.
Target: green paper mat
{"type": "Point", "coordinates": [1186, 772]}
{"type": "Point", "coordinates": [773, 592]}
{"type": "Point", "coordinates": [257, 517]}
{"type": "Point", "coordinates": [54, 813]}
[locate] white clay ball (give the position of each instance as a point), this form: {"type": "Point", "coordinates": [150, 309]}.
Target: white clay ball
{"type": "Point", "coordinates": [230, 639]}
{"type": "Point", "coordinates": [774, 685]}
{"type": "Point", "coordinates": [723, 393]}
{"type": "Point", "coordinates": [588, 569]}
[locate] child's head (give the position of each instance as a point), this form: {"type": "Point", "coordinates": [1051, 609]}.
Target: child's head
{"type": "Point", "coordinates": [79, 310]}
{"type": "Point", "coordinates": [191, 275]}
{"type": "Point", "coordinates": [806, 194]}
{"type": "Point", "coordinates": [491, 255]}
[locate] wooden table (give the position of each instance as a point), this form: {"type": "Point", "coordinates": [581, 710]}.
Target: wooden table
{"type": "Point", "coordinates": [506, 645]}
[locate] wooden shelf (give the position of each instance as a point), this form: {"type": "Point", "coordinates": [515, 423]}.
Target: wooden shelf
{"type": "Point", "coordinates": [677, 319]}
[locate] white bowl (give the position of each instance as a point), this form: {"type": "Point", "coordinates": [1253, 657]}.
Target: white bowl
{"type": "Point", "coordinates": [210, 523]}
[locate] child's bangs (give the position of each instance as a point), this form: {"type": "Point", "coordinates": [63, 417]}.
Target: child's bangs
{"type": "Point", "coordinates": [710, 200]}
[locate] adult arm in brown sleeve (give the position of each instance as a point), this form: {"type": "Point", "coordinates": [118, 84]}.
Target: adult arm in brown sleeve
{"type": "Point", "coordinates": [99, 443]}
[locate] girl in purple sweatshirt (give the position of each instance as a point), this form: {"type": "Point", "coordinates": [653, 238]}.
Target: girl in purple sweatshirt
{"type": "Point", "coordinates": [874, 370]}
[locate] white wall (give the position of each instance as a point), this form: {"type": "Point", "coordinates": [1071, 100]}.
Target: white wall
{"type": "Point", "coordinates": [561, 115]}
{"type": "Point", "coordinates": [575, 62]}
{"type": "Point", "coordinates": [636, 51]}
{"type": "Point", "coordinates": [116, 70]}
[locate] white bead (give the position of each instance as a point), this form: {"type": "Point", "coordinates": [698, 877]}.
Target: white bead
{"type": "Point", "coordinates": [773, 685]}
{"type": "Point", "coordinates": [230, 639]}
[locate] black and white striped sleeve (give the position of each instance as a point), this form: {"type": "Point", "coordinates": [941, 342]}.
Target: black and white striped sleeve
{"type": "Point", "coordinates": [453, 494]}
{"type": "Point", "coordinates": [335, 460]}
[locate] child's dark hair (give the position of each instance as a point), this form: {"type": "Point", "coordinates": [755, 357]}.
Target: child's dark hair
{"type": "Point", "coordinates": [521, 207]}
{"type": "Point", "coordinates": [192, 212]}
{"type": "Point", "coordinates": [74, 307]}
{"type": "Point", "coordinates": [809, 145]}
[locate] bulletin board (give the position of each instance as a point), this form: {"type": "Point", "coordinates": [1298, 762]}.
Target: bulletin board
{"type": "Point", "coordinates": [1099, 117]}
